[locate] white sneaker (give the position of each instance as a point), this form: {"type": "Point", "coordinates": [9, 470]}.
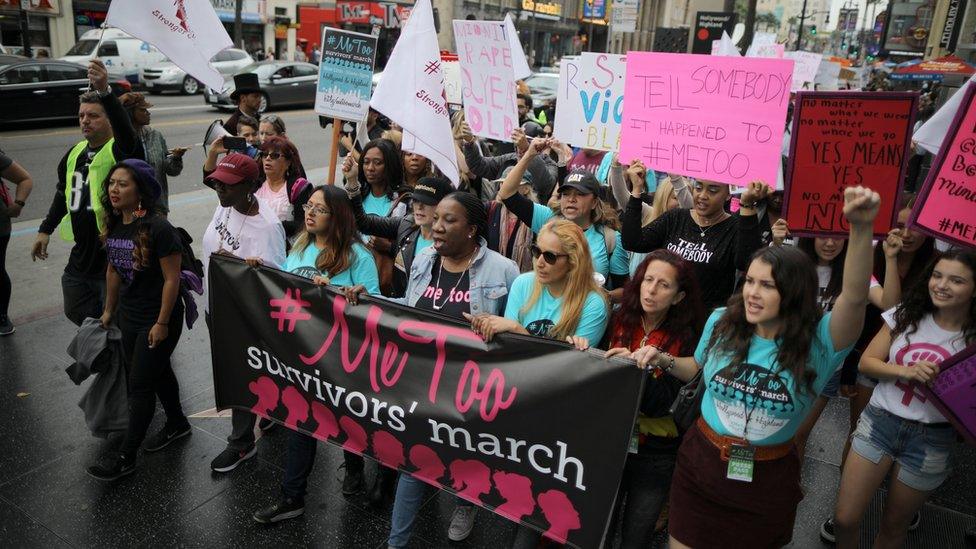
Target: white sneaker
{"type": "Point", "coordinates": [462, 522]}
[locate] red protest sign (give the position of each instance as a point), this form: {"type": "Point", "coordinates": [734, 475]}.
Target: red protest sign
{"type": "Point", "coordinates": [840, 140]}
{"type": "Point", "coordinates": [946, 206]}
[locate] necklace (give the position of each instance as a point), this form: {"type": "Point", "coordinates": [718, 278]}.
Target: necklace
{"type": "Point", "coordinates": [647, 332]}
{"type": "Point", "coordinates": [703, 230]}
{"type": "Point", "coordinates": [240, 230]}
{"type": "Point", "coordinates": [437, 284]}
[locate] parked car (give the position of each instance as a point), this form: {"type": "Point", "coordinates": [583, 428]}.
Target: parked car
{"type": "Point", "coordinates": [283, 84]}
{"type": "Point", "coordinates": [167, 76]}
{"type": "Point", "coordinates": [44, 89]}
{"type": "Point", "coordinates": [119, 51]}
{"type": "Point", "coordinates": [543, 87]}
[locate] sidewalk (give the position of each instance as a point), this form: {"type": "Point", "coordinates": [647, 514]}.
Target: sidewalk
{"type": "Point", "coordinates": [48, 500]}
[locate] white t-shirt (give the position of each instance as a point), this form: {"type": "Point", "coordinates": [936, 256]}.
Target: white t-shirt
{"type": "Point", "coordinates": [245, 236]}
{"type": "Point", "coordinates": [277, 200]}
{"type": "Point", "coordinates": [823, 280]}
{"type": "Point", "coordinates": [930, 343]}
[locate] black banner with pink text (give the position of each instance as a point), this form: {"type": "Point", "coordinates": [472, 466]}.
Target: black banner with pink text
{"type": "Point", "coordinates": [526, 427]}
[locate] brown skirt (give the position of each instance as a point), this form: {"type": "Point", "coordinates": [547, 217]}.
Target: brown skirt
{"type": "Point", "coordinates": [709, 510]}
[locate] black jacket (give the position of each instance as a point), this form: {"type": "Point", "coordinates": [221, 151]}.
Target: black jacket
{"type": "Point", "coordinates": [401, 230]}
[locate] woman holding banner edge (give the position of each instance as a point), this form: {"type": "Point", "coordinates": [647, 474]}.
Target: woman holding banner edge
{"type": "Point", "coordinates": [738, 461]}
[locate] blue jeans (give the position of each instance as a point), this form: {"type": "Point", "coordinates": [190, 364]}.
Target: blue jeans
{"type": "Point", "coordinates": [299, 460]}
{"type": "Point", "coordinates": [409, 497]}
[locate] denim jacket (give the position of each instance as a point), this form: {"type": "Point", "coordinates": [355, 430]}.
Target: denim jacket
{"type": "Point", "coordinates": [491, 276]}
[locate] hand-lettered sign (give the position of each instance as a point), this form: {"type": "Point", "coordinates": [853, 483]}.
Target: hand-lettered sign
{"type": "Point", "coordinates": [843, 139]}
{"type": "Point", "coordinates": [946, 207]}
{"type": "Point", "coordinates": [345, 74]}
{"type": "Point", "coordinates": [714, 118]}
{"type": "Point", "coordinates": [487, 78]}
{"type": "Point", "coordinates": [590, 109]}
{"type": "Point", "coordinates": [424, 394]}
{"type": "Point", "coordinates": [805, 68]}
{"type": "Point", "coordinates": [954, 392]}
{"type": "Point", "coordinates": [452, 77]}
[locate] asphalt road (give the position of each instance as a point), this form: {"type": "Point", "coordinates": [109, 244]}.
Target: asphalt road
{"type": "Point", "coordinates": [182, 120]}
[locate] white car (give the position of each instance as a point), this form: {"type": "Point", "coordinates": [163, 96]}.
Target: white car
{"type": "Point", "coordinates": [167, 76]}
{"type": "Point", "coordinates": [120, 52]}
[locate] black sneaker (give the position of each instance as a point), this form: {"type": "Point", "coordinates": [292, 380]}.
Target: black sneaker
{"type": "Point", "coordinates": [827, 531]}
{"type": "Point", "coordinates": [916, 521]}
{"type": "Point", "coordinates": [6, 327]}
{"type": "Point", "coordinates": [112, 466]}
{"type": "Point", "coordinates": [352, 483]}
{"type": "Point", "coordinates": [166, 436]}
{"type": "Point", "coordinates": [283, 510]}
{"type": "Point", "coordinates": [266, 424]}
{"type": "Point", "coordinates": [229, 459]}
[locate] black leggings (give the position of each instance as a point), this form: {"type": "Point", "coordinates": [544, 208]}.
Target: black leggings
{"type": "Point", "coordinates": [151, 375]}
{"type": "Point", "coordinates": [5, 287]}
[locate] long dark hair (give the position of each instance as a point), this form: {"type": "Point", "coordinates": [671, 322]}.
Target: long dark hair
{"type": "Point", "coordinates": [340, 233]}
{"type": "Point", "coordinates": [683, 322]}
{"type": "Point", "coordinates": [796, 281]}
{"type": "Point", "coordinates": [392, 165]}
{"type": "Point", "coordinates": [147, 198]}
{"type": "Point", "coordinates": [836, 265]}
{"type": "Point", "coordinates": [917, 302]}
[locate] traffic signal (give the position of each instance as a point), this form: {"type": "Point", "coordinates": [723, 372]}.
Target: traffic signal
{"type": "Point", "coordinates": [813, 30]}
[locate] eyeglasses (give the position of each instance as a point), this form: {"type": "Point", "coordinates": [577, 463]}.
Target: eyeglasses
{"type": "Point", "coordinates": [315, 210]}
{"type": "Point", "coordinates": [549, 257]}
{"type": "Point", "coordinates": [273, 155]}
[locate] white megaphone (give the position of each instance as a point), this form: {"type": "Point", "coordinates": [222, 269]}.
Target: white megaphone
{"type": "Point", "coordinates": [214, 132]}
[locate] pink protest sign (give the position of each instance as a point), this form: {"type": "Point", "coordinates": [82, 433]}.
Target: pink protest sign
{"type": "Point", "coordinates": [954, 392]}
{"type": "Point", "coordinates": [946, 207]}
{"type": "Point", "coordinates": [487, 78]}
{"type": "Point", "coordinates": [714, 118]}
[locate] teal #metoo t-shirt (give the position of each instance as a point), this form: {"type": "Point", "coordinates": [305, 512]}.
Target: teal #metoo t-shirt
{"type": "Point", "coordinates": [361, 271]}
{"type": "Point", "coordinates": [548, 310]}
{"type": "Point", "coordinates": [777, 408]}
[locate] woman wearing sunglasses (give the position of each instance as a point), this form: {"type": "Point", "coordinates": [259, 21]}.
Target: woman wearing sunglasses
{"type": "Point", "coordinates": [661, 308]}
{"type": "Point", "coordinates": [579, 202]}
{"type": "Point", "coordinates": [328, 251]}
{"type": "Point", "coordinates": [284, 189]}
{"type": "Point", "coordinates": [560, 298]}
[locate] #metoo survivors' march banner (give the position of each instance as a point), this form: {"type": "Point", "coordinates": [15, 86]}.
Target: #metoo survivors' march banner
{"type": "Point", "coordinates": [345, 74]}
{"type": "Point", "coordinates": [529, 428]}
{"type": "Point", "coordinates": [714, 118]}
{"type": "Point", "coordinates": [954, 391]}
{"type": "Point", "coordinates": [843, 139]}
{"type": "Point", "coordinates": [591, 101]}
{"type": "Point", "coordinates": [487, 78]}
{"type": "Point", "coordinates": [946, 208]}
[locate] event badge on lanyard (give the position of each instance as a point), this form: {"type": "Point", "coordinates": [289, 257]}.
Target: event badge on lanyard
{"type": "Point", "coordinates": [742, 457]}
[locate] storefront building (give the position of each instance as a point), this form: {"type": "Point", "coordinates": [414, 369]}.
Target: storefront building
{"type": "Point", "coordinates": [49, 22]}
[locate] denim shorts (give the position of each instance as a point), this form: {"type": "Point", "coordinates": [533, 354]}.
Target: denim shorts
{"type": "Point", "coordinates": [921, 449]}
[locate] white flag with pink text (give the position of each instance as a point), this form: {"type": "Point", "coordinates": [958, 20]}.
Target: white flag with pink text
{"type": "Point", "coordinates": [187, 31]}
{"type": "Point", "coordinates": [411, 93]}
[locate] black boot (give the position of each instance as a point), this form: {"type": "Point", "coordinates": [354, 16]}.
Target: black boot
{"type": "Point", "coordinates": [384, 486]}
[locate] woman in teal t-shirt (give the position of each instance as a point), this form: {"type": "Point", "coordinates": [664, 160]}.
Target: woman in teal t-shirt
{"type": "Point", "coordinates": [764, 359]}
{"type": "Point", "coordinates": [560, 298]}
{"type": "Point", "coordinates": [329, 251]}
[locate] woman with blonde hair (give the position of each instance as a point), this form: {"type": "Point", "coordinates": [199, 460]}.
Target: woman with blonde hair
{"type": "Point", "coordinates": [560, 298]}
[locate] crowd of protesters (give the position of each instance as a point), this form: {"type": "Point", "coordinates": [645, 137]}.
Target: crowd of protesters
{"type": "Point", "coordinates": [557, 243]}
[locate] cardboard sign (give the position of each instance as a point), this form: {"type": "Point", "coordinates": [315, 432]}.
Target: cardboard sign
{"type": "Point", "coordinates": [946, 206]}
{"type": "Point", "coordinates": [843, 139]}
{"type": "Point", "coordinates": [714, 118]}
{"type": "Point", "coordinates": [452, 78]}
{"type": "Point", "coordinates": [487, 78]}
{"type": "Point", "coordinates": [827, 75]}
{"type": "Point", "coordinates": [596, 90]}
{"type": "Point", "coordinates": [954, 391]}
{"type": "Point", "coordinates": [345, 74]}
{"type": "Point", "coordinates": [806, 65]}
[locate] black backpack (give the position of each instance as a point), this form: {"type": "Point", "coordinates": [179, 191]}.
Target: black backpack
{"type": "Point", "coordinates": [188, 260]}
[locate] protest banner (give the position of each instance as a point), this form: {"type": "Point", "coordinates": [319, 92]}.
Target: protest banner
{"type": "Point", "coordinates": [806, 65]}
{"type": "Point", "coordinates": [954, 391]}
{"type": "Point", "coordinates": [569, 107]}
{"type": "Point", "coordinates": [452, 77]}
{"type": "Point", "coordinates": [844, 139]}
{"type": "Point", "coordinates": [596, 86]}
{"type": "Point", "coordinates": [946, 206]}
{"type": "Point", "coordinates": [487, 78]}
{"type": "Point", "coordinates": [714, 118]}
{"type": "Point", "coordinates": [524, 426]}
{"type": "Point", "coordinates": [345, 74]}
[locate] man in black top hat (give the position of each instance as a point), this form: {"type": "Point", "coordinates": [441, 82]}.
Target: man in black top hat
{"type": "Point", "coordinates": [247, 95]}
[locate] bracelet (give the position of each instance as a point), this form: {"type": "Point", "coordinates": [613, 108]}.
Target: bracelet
{"type": "Point", "coordinates": [751, 206]}
{"type": "Point", "coordinates": [670, 365]}
{"type": "Point", "coordinates": [20, 203]}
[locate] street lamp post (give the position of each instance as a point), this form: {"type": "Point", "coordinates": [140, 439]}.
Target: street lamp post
{"type": "Point", "coordinates": [799, 32]}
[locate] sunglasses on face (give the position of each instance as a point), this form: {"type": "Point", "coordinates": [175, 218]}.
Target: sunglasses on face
{"type": "Point", "coordinates": [315, 210]}
{"type": "Point", "coordinates": [273, 155]}
{"type": "Point", "coordinates": [549, 257]}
